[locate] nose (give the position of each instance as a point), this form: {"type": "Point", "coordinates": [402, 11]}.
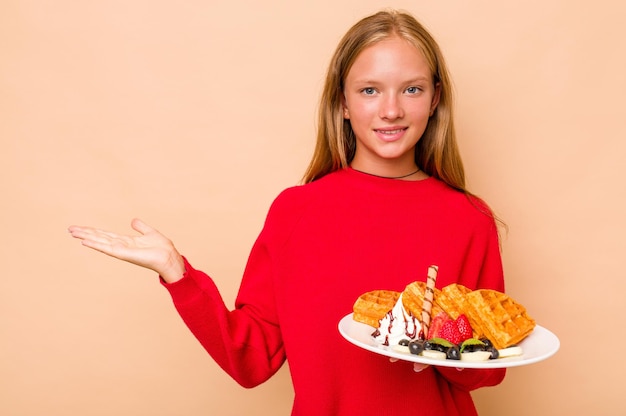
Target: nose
{"type": "Point", "coordinates": [391, 108]}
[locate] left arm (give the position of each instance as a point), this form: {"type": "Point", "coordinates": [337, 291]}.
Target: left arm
{"type": "Point", "coordinates": [483, 271]}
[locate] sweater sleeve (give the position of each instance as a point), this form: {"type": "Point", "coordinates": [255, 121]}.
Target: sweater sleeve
{"type": "Point", "coordinates": [472, 379]}
{"type": "Point", "coordinates": [244, 343]}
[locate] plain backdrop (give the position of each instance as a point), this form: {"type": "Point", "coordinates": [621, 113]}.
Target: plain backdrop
{"type": "Point", "coordinates": [194, 115]}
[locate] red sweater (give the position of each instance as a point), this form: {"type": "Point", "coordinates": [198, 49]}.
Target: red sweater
{"type": "Point", "coordinates": [324, 244]}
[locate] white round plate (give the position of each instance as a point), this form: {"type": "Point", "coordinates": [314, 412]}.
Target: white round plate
{"type": "Point", "coordinates": [538, 346]}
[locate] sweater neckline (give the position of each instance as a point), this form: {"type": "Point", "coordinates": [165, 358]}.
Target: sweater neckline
{"type": "Point", "coordinates": [385, 185]}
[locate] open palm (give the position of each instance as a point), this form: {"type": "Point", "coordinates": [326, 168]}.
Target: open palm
{"type": "Point", "coordinates": [149, 249]}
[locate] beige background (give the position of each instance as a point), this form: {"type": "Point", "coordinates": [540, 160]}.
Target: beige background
{"type": "Point", "coordinates": [194, 115]}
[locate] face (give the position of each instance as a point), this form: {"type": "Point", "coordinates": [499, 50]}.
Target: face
{"type": "Point", "coordinates": [389, 96]}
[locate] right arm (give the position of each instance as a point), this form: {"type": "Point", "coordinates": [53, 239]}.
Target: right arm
{"type": "Point", "coordinates": [246, 342]}
{"type": "Point", "coordinates": [149, 249]}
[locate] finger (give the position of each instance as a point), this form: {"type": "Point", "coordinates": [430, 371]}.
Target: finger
{"type": "Point", "coordinates": [458, 369]}
{"type": "Point", "coordinates": [97, 239]}
{"type": "Point", "coordinates": [81, 232]}
{"type": "Point", "coordinates": [418, 367]}
{"type": "Point", "coordinates": [110, 235]}
{"type": "Point", "coordinates": [393, 360]}
{"type": "Point", "coordinates": [120, 248]}
{"type": "Point", "coordinates": [79, 229]}
{"type": "Point", "coordinates": [87, 233]}
{"type": "Point", "coordinates": [110, 239]}
{"type": "Point", "coordinates": [76, 230]}
{"type": "Point", "coordinates": [101, 246]}
{"type": "Point", "coordinates": [141, 226]}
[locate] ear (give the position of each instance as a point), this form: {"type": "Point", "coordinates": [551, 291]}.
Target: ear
{"type": "Point", "coordinates": [435, 100]}
{"type": "Point", "coordinates": [344, 107]}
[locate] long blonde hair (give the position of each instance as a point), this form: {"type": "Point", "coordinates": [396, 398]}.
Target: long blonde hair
{"type": "Point", "coordinates": [436, 152]}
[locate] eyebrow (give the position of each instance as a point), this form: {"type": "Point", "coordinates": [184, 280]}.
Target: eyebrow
{"type": "Point", "coordinates": [419, 78]}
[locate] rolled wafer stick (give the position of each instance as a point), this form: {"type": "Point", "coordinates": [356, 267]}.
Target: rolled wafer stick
{"type": "Point", "coordinates": [428, 299]}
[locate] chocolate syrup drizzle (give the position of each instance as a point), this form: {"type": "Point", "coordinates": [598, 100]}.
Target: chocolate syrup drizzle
{"type": "Point", "coordinates": [410, 335]}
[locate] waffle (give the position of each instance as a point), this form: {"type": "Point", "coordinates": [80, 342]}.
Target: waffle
{"type": "Point", "coordinates": [498, 317]}
{"type": "Point", "coordinates": [372, 306]}
{"type": "Point", "coordinates": [413, 298]}
{"type": "Point", "coordinates": [453, 300]}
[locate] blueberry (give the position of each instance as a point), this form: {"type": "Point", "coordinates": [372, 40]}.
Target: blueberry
{"type": "Point", "coordinates": [404, 342]}
{"type": "Point", "coordinates": [435, 346]}
{"type": "Point", "coordinates": [416, 347]}
{"type": "Point", "coordinates": [494, 353]}
{"type": "Point", "coordinates": [453, 353]}
{"type": "Point", "coordinates": [475, 347]}
{"type": "Point", "coordinates": [488, 344]}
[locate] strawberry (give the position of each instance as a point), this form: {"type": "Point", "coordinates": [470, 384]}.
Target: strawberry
{"type": "Point", "coordinates": [450, 332]}
{"type": "Point", "coordinates": [465, 329]}
{"type": "Point", "coordinates": [436, 324]}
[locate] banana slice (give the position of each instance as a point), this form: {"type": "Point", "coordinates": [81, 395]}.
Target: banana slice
{"type": "Point", "coordinates": [475, 356]}
{"type": "Point", "coordinates": [437, 355]}
{"type": "Point", "coordinates": [510, 352]}
{"type": "Point", "coordinates": [403, 349]}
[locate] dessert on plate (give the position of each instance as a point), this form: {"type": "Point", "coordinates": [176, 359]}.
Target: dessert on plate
{"type": "Point", "coordinates": [453, 322]}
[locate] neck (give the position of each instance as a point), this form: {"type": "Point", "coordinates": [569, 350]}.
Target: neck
{"type": "Point", "coordinates": [401, 176]}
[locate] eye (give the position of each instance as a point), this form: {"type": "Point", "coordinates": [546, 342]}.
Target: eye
{"type": "Point", "coordinates": [368, 91]}
{"type": "Point", "coordinates": [413, 90]}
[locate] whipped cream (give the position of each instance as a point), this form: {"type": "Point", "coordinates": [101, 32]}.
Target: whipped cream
{"type": "Point", "coordinates": [396, 325]}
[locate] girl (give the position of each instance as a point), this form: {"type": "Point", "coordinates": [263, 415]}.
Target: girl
{"type": "Point", "coordinates": [383, 198]}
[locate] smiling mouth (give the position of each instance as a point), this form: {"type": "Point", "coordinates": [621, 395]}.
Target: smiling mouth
{"type": "Point", "coordinates": [394, 131]}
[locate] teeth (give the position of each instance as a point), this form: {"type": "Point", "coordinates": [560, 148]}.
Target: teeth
{"type": "Point", "coordinates": [390, 131]}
